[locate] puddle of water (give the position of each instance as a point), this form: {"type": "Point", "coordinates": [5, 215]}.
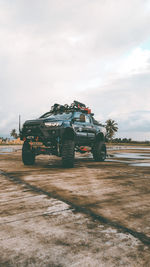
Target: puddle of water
{"type": "Point", "coordinates": [132, 159]}
{"type": "Point", "coordinates": [119, 161]}
{"type": "Point", "coordinates": [141, 164]}
{"type": "Point", "coordinates": [127, 147]}
{"type": "Point", "coordinates": [132, 156]}
{"type": "Point", "coordinates": [8, 149]}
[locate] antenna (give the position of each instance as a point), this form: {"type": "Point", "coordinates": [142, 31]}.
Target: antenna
{"type": "Point", "coordinates": [19, 123]}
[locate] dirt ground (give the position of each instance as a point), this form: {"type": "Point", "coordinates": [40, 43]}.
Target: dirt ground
{"type": "Point", "coordinates": [96, 214]}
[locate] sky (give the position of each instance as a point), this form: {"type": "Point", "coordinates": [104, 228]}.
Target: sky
{"type": "Point", "coordinates": [58, 51]}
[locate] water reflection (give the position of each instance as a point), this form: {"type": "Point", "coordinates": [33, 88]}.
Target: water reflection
{"type": "Point", "coordinates": [132, 155]}
{"type": "Point", "coordinates": [131, 158]}
{"type": "Point", "coordinates": [141, 164]}
{"type": "Point", "coordinates": [8, 149]}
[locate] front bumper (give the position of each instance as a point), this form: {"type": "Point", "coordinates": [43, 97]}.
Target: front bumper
{"type": "Point", "coordinates": [42, 133]}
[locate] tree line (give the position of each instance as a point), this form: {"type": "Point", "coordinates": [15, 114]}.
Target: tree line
{"type": "Point", "coordinates": [14, 134]}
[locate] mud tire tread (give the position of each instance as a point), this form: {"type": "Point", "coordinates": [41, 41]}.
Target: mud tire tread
{"type": "Point", "coordinates": [68, 154]}
{"type": "Point", "coordinates": [28, 156]}
{"type": "Point", "coordinates": [99, 151]}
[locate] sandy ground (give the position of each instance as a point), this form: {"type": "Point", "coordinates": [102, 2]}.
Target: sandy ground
{"type": "Point", "coordinates": [97, 214]}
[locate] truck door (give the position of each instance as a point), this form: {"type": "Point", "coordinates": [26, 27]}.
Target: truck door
{"type": "Point", "coordinates": [79, 126]}
{"type": "Point", "coordinates": [91, 131]}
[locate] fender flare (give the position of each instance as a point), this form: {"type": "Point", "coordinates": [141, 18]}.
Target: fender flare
{"type": "Point", "coordinates": [100, 137]}
{"type": "Point", "coordinates": [68, 134]}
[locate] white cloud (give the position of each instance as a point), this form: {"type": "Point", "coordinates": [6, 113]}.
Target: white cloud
{"type": "Point", "coordinates": [58, 51]}
{"type": "Point", "coordinates": [126, 100]}
{"type": "Point", "coordinates": [137, 62]}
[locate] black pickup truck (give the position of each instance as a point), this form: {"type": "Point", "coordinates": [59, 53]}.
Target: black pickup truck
{"type": "Point", "coordinates": [62, 131]}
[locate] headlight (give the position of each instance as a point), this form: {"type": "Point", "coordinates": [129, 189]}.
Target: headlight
{"type": "Point", "coordinates": [52, 124]}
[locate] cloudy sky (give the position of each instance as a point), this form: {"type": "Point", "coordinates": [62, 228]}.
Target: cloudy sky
{"type": "Point", "coordinates": [93, 51]}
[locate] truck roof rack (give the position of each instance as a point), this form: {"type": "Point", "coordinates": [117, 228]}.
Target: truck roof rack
{"type": "Point", "coordinates": [75, 106]}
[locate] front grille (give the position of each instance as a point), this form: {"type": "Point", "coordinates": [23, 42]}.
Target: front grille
{"type": "Point", "coordinates": [54, 132]}
{"type": "Point", "coordinates": [32, 130]}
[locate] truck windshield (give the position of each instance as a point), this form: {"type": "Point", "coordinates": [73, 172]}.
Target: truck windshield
{"type": "Point", "coordinates": [59, 116]}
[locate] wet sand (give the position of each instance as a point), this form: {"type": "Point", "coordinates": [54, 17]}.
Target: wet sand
{"type": "Point", "coordinates": [97, 214]}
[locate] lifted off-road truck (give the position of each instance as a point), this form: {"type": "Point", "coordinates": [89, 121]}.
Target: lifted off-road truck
{"type": "Point", "coordinates": [62, 131]}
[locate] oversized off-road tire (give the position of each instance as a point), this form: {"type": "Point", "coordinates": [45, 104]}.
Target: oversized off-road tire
{"type": "Point", "coordinates": [68, 154]}
{"type": "Point", "coordinates": [99, 151]}
{"type": "Point", "coordinates": [28, 156]}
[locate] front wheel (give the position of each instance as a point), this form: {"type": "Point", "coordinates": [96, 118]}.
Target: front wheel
{"type": "Point", "coordinates": [99, 151]}
{"type": "Point", "coordinates": [28, 156]}
{"type": "Point", "coordinates": [68, 154]}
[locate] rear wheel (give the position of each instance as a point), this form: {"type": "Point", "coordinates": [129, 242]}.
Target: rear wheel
{"type": "Point", "coordinates": [99, 151]}
{"type": "Point", "coordinates": [28, 156]}
{"type": "Point", "coordinates": [68, 154]}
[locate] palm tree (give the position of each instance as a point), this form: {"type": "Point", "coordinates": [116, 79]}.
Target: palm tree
{"type": "Point", "coordinates": [111, 128]}
{"type": "Point", "coordinates": [14, 133]}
